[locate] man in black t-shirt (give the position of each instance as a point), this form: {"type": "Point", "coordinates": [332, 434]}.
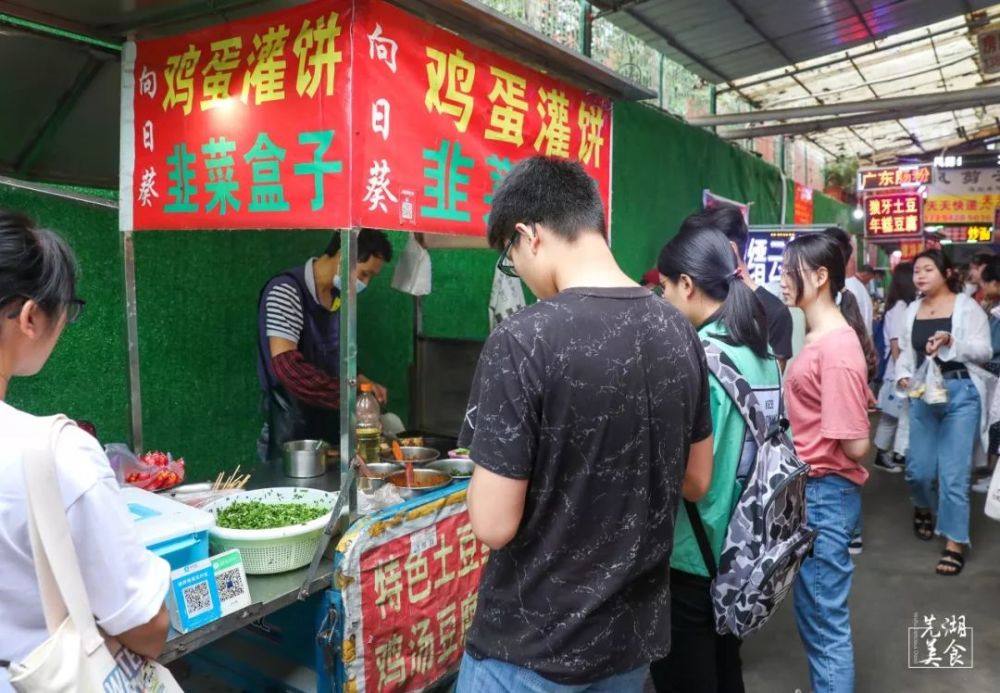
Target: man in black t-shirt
{"type": "Point", "coordinates": [730, 221]}
{"type": "Point", "coordinates": [586, 409]}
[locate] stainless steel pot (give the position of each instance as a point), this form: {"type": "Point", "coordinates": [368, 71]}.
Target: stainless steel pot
{"type": "Point", "coordinates": [303, 459]}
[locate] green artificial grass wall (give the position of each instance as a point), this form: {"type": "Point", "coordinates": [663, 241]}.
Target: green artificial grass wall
{"type": "Point", "coordinates": [87, 375]}
{"type": "Point", "coordinates": [661, 166]}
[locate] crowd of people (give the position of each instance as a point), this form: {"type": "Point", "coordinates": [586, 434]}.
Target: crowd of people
{"type": "Point", "coordinates": [607, 448]}
{"type": "Point", "coordinates": [611, 455]}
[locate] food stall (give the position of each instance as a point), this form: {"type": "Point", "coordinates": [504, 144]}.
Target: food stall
{"type": "Point", "coordinates": [893, 200]}
{"type": "Point", "coordinates": [342, 115]}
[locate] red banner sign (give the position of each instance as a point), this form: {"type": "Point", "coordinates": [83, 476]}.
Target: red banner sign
{"type": "Point", "coordinates": [989, 50]}
{"type": "Point", "coordinates": [894, 216]}
{"type": "Point", "coordinates": [910, 249]}
{"type": "Point", "coordinates": [419, 596]}
{"type": "Point", "coordinates": [245, 125]}
{"type": "Point", "coordinates": [443, 121]}
{"type": "Point", "coordinates": [802, 212]}
{"type": "Point", "coordinates": [335, 114]}
{"type": "Point", "coordinates": [889, 177]}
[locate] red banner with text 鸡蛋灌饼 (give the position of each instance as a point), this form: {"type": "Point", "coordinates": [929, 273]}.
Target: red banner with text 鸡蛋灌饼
{"type": "Point", "coordinates": [247, 124]}
{"type": "Point", "coordinates": [443, 121]}
{"type": "Point", "coordinates": [336, 114]}
{"type": "Point", "coordinates": [418, 596]}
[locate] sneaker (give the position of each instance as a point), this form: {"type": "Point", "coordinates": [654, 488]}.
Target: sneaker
{"type": "Point", "coordinates": [982, 486]}
{"type": "Point", "coordinates": [856, 547]}
{"type": "Point", "coordinates": [884, 462]}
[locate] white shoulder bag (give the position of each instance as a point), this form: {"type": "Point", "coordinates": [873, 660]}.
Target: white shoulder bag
{"type": "Point", "coordinates": [77, 657]}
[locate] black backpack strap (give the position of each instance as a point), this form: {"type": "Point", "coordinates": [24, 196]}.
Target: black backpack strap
{"type": "Point", "coordinates": [698, 527]}
{"type": "Point", "coordinates": [738, 389]}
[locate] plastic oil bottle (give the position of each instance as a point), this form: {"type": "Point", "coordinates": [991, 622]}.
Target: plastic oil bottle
{"type": "Point", "coordinates": [369, 425]}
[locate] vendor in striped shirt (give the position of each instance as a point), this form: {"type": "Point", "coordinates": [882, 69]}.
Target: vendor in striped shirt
{"type": "Point", "coordinates": [298, 341]}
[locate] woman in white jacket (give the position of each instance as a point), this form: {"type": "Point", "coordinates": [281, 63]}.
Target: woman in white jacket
{"type": "Point", "coordinates": [948, 326]}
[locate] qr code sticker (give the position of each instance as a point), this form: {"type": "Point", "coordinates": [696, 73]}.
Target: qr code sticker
{"type": "Point", "coordinates": [197, 599]}
{"type": "Point", "coordinates": [230, 584]}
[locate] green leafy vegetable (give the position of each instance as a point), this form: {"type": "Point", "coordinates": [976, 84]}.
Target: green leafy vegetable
{"type": "Point", "coordinates": [257, 515]}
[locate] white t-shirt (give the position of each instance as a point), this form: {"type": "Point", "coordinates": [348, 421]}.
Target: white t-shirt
{"type": "Point", "coordinates": [854, 285]}
{"type": "Point", "coordinates": [892, 328]}
{"type": "Point", "coordinates": [126, 583]}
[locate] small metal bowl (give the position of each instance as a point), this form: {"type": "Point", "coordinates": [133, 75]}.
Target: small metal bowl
{"type": "Point", "coordinates": [379, 471]}
{"type": "Point", "coordinates": [455, 468]}
{"type": "Point", "coordinates": [427, 479]}
{"type": "Point", "coordinates": [415, 455]}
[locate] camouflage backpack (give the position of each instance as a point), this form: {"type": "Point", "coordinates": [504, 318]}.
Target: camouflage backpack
{"type": "Point", "coordinates": [767, 538]}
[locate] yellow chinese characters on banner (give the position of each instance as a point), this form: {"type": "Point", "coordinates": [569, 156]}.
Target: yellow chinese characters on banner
{"type": "Point", "coordinates": [893, 215]}
{"type": "Point", "coordinates": [960, 209]}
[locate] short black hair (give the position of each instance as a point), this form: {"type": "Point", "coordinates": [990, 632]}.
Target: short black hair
{"type": "Point", "coordinates": [726, 218]}
{"type": "Point", "coordinates": [370, 242]}
{"type": "Point", "coordinates": [991, 271]}
{"type": "Point", "coordinates": [843, 240]}
{"type": "Point", "coordinates": [982, 259]}
{"type": "Point", "coordinates": [866, 268]}
{"type": "Point", "coordinates": [557, 193]}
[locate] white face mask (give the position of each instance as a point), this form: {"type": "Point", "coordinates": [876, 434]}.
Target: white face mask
{"type": "Point", "coordinates": [358, 284]}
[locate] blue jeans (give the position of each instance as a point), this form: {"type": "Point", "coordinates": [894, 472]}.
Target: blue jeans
{"type": "Point", "coordinates": [494, 676]}
{"type": "Point", "coordinates": [833, 505]}
{"type": "Point", "coordinates": [942, 439]}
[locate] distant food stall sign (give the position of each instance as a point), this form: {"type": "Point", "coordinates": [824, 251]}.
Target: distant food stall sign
{"type": "Point", "coordinates": [894, 217]}
{"type": "Point", "coordinates": [989, 50]}
{"type": "Point", "coordinates": [892, 177]}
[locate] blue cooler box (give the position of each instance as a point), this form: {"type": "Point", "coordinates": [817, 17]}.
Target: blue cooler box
{"type": "Point", "coordinates": [176, 532]}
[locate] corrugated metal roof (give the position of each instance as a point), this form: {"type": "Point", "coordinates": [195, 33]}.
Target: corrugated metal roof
{"type": "Point", "coordinates": [940, 57]}
{"type": "Point", "coordinates": [724, 40]}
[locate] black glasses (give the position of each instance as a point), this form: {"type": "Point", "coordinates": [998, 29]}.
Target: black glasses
{"type": "Point", "coordinates": [74, 309]}
{"type": "Point", "coordinates": [505, 264]}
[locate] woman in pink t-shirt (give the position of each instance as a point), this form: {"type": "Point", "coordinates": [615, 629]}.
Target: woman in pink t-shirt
{"type": "Point", "coordinates": [826, 391]}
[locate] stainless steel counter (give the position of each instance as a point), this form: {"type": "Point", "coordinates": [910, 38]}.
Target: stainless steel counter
{"type": "Point", "coordinates": [270, 476]}
{"type": "Point", "coordinates": [269, 593]}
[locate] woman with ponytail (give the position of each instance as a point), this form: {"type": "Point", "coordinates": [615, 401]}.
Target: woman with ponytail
{"type": "Point", "coordinates": [949, 327]}
{"type": "Point", "coordinates": [827, 396]}
{"type": "Point", "coordinates": [126, 584]}
{"type": "Point", "coordinates": [700, 278]}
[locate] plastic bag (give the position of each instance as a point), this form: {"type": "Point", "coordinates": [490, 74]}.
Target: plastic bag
{"type": "Point", "coordinates": [993, 496]}
{"type": "Point", "coordinates": [890, 402]}
{"type": "Point", "coordinates": [384, 497]}
{"type": "Point", "coordinates": [918, 383]}
{"type": "Point", "coordinates": [937, 391]}
{"type": "Point", "coordinates": [154, 471]}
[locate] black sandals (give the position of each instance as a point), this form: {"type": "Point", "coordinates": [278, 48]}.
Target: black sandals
{"type": "Point", "coordinates": [951, 563]}
{"type": "Point", "coordinates": [923, 524]}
